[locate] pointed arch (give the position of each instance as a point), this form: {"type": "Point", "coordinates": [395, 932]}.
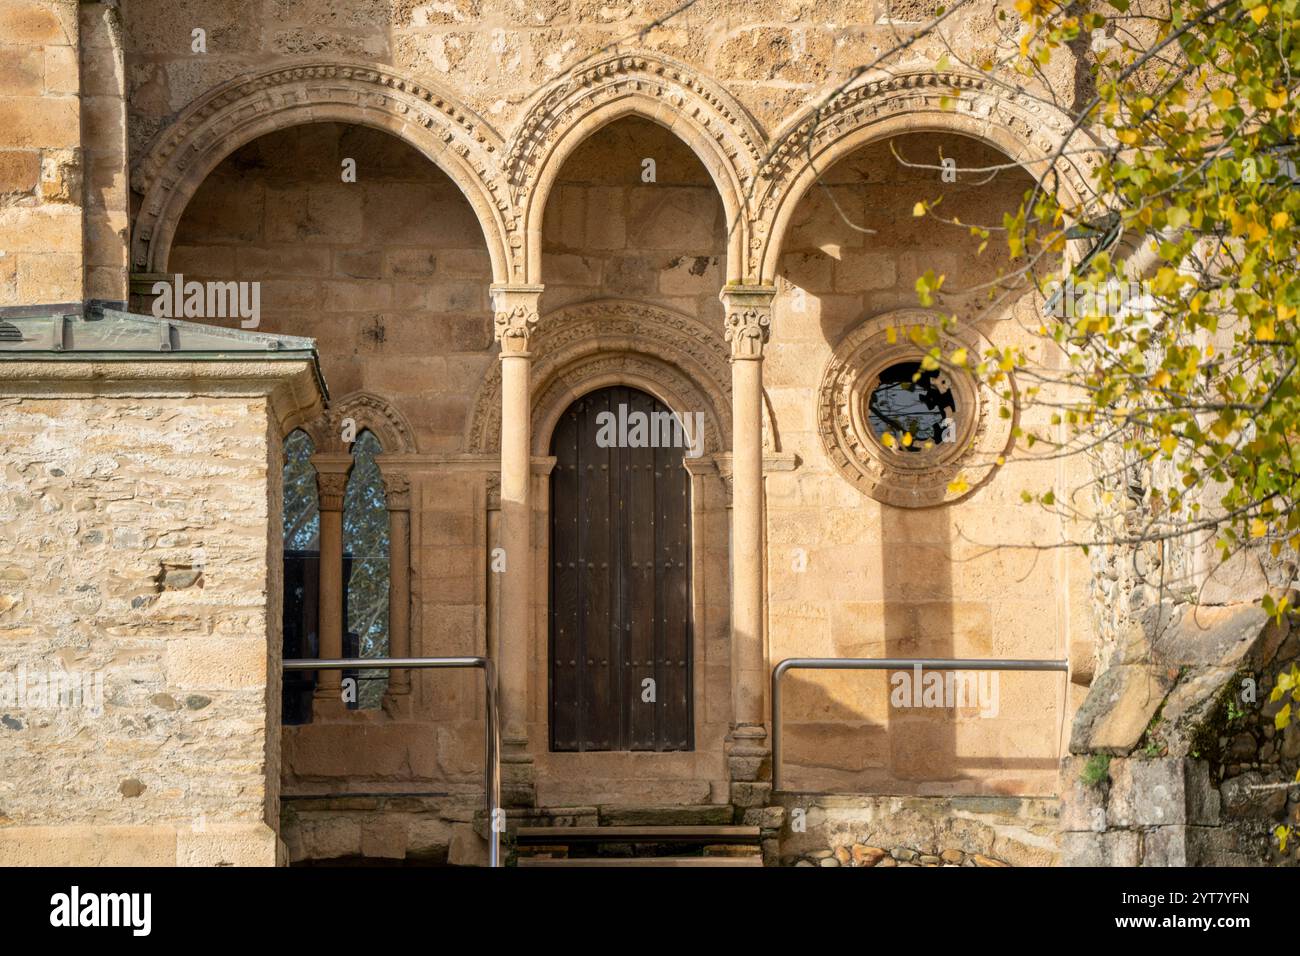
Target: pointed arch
{"type": "Point", "coordinates": [701, 113]}
{"type": "Point", "coordinates": [1027, 129]}
{"type": "Point", "coordinates": [368, 412]}
{"type": "Point", "coordinates": [454, 138]}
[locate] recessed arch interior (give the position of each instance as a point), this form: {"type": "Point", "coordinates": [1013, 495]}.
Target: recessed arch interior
{"type": "Point", "coordinates": [389, 274]}
{"type": "Point", "coordinates": [611, 151]}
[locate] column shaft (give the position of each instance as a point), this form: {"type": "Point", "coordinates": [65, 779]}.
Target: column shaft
{"type": "Point", "coordinates": [515, 317]}
{"type": "Point", "coordinates": [399, 580]}
{"type": "Point", "coordinates": [748, 319]}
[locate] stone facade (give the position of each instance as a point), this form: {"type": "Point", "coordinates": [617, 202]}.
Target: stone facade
{"type": "Point", "coordinates": [708, 204]}
{"type": "Point", "coordinates": [152, 609]}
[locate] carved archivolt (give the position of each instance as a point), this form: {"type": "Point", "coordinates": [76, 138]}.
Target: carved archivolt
{"type": "Point", "coordinates": [367, 412]}
{"type": "Point", "coordinates": [461, 143]}
{"type": "Point", "coordinates": [707, 118]}
{"type": "Point", "coordinates": [581, 347]}
{"type": "Point", "coordinates": [1027, 129]}
{"type": "Point", "coordinates": [909, 479]}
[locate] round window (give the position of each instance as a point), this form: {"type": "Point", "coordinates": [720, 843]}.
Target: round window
{"type": "Point", "coordinates": [912, 410]}
{"type": "Point", "coordinates": [904, 434]}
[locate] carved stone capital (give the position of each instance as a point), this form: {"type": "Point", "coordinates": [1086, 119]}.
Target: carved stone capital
{"type": "Point", "coordinates": [330, 487]}
{"type": "Point", "coordinates": [397, 492]}
{"type": "Point", "coordinates": [515, 317]}
{"type": "Point", "coordinates": [332, 469]}
{"type": "Point", "coordinates": [748, 321]}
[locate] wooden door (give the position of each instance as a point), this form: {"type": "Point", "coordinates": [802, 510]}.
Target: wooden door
{"type": "Point", "coordinates": [620, 587]}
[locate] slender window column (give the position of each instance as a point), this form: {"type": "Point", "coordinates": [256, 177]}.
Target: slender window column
{"type": "Point", "coordinates": [748, 319]}
{"type": "Point", "coordinates": [515, 318]}
{"type": "Point", "coordinates": [331, 483]}
{"type": "Point", "coordinates": [397, 492]}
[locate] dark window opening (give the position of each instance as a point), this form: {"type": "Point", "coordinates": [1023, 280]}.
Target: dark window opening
{"type": "Point", "coordinates": [911, 409]}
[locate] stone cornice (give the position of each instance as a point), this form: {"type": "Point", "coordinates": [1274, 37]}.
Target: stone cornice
{"type": "Point", "coordinates": [291, 387]}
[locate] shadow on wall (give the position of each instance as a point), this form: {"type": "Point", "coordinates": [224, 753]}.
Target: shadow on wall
{"type": "Point", "coordinates": [884, 581]}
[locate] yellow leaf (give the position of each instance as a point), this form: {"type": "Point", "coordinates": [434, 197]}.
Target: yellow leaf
{"type": "Point", "coordinates": [1168, 444]}
{"type": "Point", "coordinates": [958, 486]}
{"type": "Point", "coordinates": [1280, 219]}
{"type": "Point", "coordinates": [887, 439]}
{"type": "Point", "coordinates": [1258, 528]}
{"type": "Point", "coordinates": [1282, 718]}
{"type": "Point", "coordinates": [907, 439]}
{"type": "Point", "coordinates": [1259, 13]}
{"type": "Point", "coordinates": [891, 335]}
{"type": "Point", "coordinates": [1161, 379]}
{"type": "Point", "coordinates": [959, 357]}
{"type": "Point", "coordinates": [1223, 98]}
{"type": "Point", "coordinates": [918, 209]}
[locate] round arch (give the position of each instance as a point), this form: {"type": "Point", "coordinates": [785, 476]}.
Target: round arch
{"type": "Point", "coordinates": [704, 116]}
{"type": "Point", "coordinates": [1026, 129]}
{"type": "Point", "coordinates": [673, 356]}
{"type": "Point", "coordinates": [646, 373]}
{"type": "Point", "coordinates": [460, 143]}
{"type": "Point", "coordinates": [369, 412]}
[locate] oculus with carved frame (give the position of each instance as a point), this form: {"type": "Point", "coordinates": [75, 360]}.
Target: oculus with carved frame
{"type": "Point", "coordinates": [908, 478]}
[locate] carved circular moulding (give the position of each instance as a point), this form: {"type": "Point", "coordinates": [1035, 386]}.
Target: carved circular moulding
{"type": "Point", "coordinates": [902, 437]}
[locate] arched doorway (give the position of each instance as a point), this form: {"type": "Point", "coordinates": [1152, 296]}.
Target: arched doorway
{"type": "Point", "coordinates": [620, 576]}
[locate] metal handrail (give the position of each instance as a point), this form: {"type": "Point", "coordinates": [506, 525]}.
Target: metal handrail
{"type": "Point", "coordinates": [884, 664]}
{"type": "Point", "coordinates": [492, 756]}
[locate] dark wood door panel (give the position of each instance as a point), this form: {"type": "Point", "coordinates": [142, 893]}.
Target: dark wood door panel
{"type": "Point", "coordinates": [619, 585]}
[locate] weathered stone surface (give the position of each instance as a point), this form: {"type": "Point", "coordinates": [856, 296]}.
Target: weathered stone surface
{"type": "Point", "coordinates": [1118, 708]}
{"type": "Point", "coordinates": [1107, 848]}
{"type": "Point", "coordinates": [1212, 636]}
{"type": "Point", "coordinates": [1253, 796]}
{"type": "Point", "coordinates": [867, 855]}
{"type": "Point", "coordinates": [1161, 792]}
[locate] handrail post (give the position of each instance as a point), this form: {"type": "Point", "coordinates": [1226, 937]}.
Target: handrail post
{"type": "Point", "coordinates": [492, 764]}
{"type": "Point", "coordinates": [492, 720]}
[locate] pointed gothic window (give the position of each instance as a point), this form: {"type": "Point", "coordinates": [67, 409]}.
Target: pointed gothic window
{"type": "Point", "coordinates": [366, 568]}
{"type": "Point", "coordinates": [301, 573]}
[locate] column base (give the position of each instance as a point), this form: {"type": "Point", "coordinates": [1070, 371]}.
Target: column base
{"type": "Point", "coordinates": [518, 774]}
{"type": "Point", "coordinates": [328, 705]}
{"type": "Point", "coordinates": [749, 766]}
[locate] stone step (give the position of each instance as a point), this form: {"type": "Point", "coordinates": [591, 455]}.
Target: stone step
{"type": "Point", "coordinates": [703, 835]}
{"type": "Point", "coordinates": [657, 861]}
{"type": "Point", "coordinates": [700, 815]}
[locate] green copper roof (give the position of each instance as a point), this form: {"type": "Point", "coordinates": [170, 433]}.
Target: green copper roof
{"type": "Point", "coordinates": [109, 335]}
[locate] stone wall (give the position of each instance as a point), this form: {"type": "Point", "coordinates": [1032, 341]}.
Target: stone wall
{"type": "Point", "coordinates": [1177, 757]}
{"type": "Point", "coordinates": [908, 831]}
{"type": "Point", "coordinates": [776, 56]}
{"type": "Point", "coordinates": [140, 565]}
{"type": "Point", "coordinates": [41, 159]}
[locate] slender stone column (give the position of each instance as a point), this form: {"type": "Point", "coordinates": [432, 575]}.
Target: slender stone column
{"type": "Point", "coordinates": [515, 318]}
{"type": "Point", "coordinates": [748, 318]}
{"type": "Point", "coordinates": [397, 493]}
{"type": "Point", "coordinates": [331, 482]}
